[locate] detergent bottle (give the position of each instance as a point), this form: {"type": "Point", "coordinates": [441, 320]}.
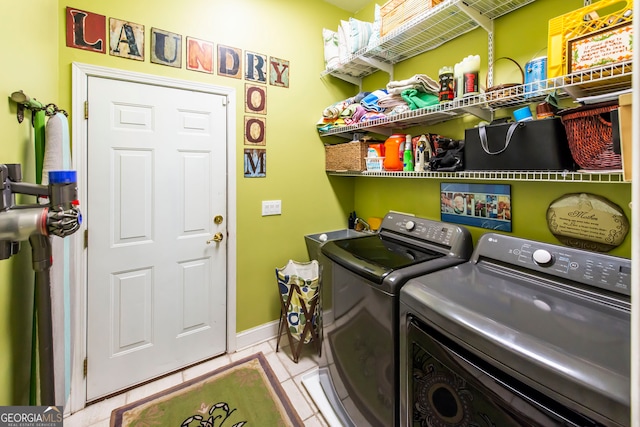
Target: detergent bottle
{"type": "Point", "coordinates": [394, 155]}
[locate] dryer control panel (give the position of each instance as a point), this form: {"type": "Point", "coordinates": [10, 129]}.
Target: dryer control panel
{"type": "Point", "coordinates": [578, 265]}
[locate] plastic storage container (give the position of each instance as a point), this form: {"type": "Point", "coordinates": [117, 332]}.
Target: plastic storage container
{"type": "Point", "coordinates": [374, 163]}
{"type": "Point", "coordinates": [573, 25]}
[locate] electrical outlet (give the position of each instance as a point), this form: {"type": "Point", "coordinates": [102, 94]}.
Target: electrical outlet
{"type": "Point", "coordinates": [271, 207]}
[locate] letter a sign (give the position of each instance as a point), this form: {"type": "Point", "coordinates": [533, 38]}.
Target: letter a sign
{"type": "Point", "coordinates": [126, 39]}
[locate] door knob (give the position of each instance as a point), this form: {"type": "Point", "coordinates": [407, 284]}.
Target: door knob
{"type": "Point", "coordinates": [216, 238]}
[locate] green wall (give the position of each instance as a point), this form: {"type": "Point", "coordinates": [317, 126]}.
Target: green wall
{"type": "Point", "coordinates": [376, 196]}
{"type": "Point", "coordinates": [39, 63]}
{"type": "Point", "coordinates": [286, 29]}
{"type": "Point", "coordinates": [521, 35]}
{"type": "Point", "coordinates": [36, 59]}
{"type": "Point", "coordinates": [29, 63]}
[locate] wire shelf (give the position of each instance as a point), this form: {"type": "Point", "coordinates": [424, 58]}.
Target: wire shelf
{"type": "Point", "coordinates": [438, 25]}
{"type": "Point", "coordinates": [611, 78]}
{"type": "Point", "coordinates": [605, 177]}
{"type": "Point", "coordinates": [426, 31]}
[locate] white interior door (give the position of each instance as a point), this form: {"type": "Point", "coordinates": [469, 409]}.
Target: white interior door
{"type": "Point", "coordinates": [156, 290]}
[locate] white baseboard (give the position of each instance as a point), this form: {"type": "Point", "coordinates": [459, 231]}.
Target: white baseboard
{"type": "Point", "coordinates": [264, 332]}
{"type": "Point", "coordinates": [256, 335]}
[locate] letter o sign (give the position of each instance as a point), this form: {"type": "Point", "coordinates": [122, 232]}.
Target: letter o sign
{"type": "Point", "coordinates": [254, 130]}
{"type": "Point", "coordinates": [256, 99]}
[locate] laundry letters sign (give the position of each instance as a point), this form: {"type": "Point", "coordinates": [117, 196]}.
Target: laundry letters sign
{"type": "Point", "coordinates": [255, 129]}
{"type": "Point", "coordinates": [278, 72]}
{"type": "Point", "coordinates": [166, 48]}
{"type": "Point", "coordinates": [255, 99]}
{"type": "Point", "coordinates": [255, 163]}
{"type": "Point", "coordinates": [86, 30]}
{"type": "Point", "coordinates": [199, 55]}
{"type": "Point", "coordinates": [126, 39]}
{"type": "Point", "coordinates": [229, 61]}
{"type": "Point", "coordinates": [255, 67]}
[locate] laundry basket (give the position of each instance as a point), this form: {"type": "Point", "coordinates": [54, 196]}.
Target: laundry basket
{"type": "Point", "coordinates": [299, 289]}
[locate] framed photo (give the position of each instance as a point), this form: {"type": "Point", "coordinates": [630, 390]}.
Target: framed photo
{"type": "Point", "coordinates": [480, 205]}
{"type": "Point", "coordinates": [605, 47]}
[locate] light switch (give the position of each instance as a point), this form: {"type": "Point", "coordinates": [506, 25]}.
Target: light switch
{"type": "Point", "coordinates": [271, 207]}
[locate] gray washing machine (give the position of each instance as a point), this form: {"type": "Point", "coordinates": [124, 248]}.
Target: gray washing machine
{"type": "Point", "coordinates": [359, 365]}
{"type": "Point", "coordinates": [524, 334]}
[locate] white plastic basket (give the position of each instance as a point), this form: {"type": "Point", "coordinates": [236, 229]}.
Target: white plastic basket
{"type": "Point", "coordinates": [374, 163]}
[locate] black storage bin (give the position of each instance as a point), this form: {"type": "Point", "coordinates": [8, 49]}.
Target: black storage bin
{"type": "Point", "coordinates": [530, 145]}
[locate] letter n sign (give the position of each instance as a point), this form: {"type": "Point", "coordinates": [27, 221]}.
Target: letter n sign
{"type": "Point", "coordinates": [255, 163]}
{"type": "Point", "coordinates": [86, 30]}
{"type": "Point", "coordinates": [199, 55]}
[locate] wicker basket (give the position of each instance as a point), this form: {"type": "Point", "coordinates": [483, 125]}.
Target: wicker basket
{"type": "Point", "coordinates": [348, 156]}
{"type": "Point", "coordinates": [495, 94]}
{"type": "Point", "coordinates": [590, 136]}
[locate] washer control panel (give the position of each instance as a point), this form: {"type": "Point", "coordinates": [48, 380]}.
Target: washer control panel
{"type": "Point", "coordinates": [422, 229]}
{"type": "Point", "coordinates": [589, 268]}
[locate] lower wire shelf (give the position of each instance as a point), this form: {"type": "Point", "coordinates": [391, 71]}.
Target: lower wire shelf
{"type": "Point", "coordinates": [615, 177]}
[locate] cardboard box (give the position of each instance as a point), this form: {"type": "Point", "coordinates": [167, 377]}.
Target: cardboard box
{"type": "Point", "coordinates": [395, 13]}
{"type": "Point", "coordinates": [624, 117]}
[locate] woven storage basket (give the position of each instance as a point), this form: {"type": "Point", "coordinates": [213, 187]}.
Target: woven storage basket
{"type": "Point", "coordinates": [590, 136]}
{"type": "Point", "coordinates": [495, 94]}
{"type": "Point", "coordinates": [349, 156]}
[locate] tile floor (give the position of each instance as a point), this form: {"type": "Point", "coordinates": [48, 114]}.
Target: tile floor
{"type": "Point", "coordinates": [289, 373]}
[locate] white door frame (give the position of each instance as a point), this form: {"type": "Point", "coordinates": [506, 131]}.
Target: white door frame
{"type": "Point", "coordinates": [80, 77]}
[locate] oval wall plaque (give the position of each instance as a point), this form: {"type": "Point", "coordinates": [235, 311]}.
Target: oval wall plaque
{"type": "Point", "coordinates": [587, 221]}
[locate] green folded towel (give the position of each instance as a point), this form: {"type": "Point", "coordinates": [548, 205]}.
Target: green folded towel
{"type": "Point", "coordinates": [417, 99]}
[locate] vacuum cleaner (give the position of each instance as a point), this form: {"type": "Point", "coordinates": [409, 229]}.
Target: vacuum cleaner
{"type": "Point", "coordinates": [56, 214]}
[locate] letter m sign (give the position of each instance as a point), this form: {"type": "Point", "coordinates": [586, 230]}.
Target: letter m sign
{"type": "Point", "coordinates": [255, 163]}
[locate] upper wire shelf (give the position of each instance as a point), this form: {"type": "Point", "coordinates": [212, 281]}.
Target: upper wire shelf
{"type": "Point", "coordinates": [425, 31]}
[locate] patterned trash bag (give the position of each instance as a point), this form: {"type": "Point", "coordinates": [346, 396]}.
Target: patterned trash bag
{"type": "Point", "coordinates": [306, 276]}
